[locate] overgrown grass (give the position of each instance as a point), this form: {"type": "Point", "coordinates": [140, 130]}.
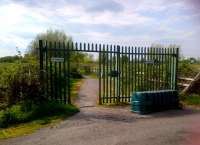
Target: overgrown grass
{"type": "Point", "coordinates": [17, 121]}
{"type": "Point", "coordinates": [21, 122]}
{"type": "Point", "coordinates": [193, 99]}
{"type": "Point", "coordinates": [17, 114]}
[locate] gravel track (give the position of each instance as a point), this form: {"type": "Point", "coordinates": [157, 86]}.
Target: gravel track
{"type": "Point", "coordinates": [96, 125]}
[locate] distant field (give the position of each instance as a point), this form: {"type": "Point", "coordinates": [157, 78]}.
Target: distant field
{"type": "Point", "coordinates": [196, 66]}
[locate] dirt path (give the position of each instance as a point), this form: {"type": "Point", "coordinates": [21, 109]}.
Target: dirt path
{"type": "Point", "coordinates": [88, 94]}
{"type": "Point", "coordinates": [116, 126]}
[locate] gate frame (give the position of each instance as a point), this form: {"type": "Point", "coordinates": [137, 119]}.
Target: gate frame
{"type": "Point", "coordinates": [135, 53]}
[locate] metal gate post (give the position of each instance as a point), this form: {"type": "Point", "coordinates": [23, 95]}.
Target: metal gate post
{"type": "Point", "coordinates": [176, 69]}
{"type": "Point", "coordinates": [41, 65]}
{"type": "Point", "coordinates": [68, 74]}
{"type": "Point", "coordinates": [99, 73]}
{"type": "Point", "coordinates": [118, 70]}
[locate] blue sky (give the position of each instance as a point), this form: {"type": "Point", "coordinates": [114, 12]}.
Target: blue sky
{"type": "Point", "coordinates": [127, 22]}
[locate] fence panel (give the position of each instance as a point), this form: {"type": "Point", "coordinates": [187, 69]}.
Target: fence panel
{"type": "Point", "coordinates": [121, 70]}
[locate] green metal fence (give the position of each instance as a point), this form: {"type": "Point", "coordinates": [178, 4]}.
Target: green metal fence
{"type": "Point", "coordinates": [122, 70]}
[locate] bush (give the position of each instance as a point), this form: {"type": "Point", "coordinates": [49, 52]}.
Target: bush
{"type": "Point", "coordinates": [13, 115]}
{"type": "Point", "coordinates": [18, 114]}
{"type": "Point", "coordinates": [185, 69]}
{"type": "Point", "coordinates": [193, 99]}
{"type": "Point", "coordinates": [19, 81]}
{"type": "Point", "coordinates": [25, 88]}
{"type": "Point", "coordinates": [24, 84]}
{"type": "Point", "coordinates": [9, 59]}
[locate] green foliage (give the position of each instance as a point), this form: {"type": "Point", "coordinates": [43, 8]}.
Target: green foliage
{"type": "Point", "coordinates": [49, 36]}
{"type": "Point", "coordinates": [25, 85]}
{"type": "Point", "coordinates": [17, 114]}
{"type": "Point", "coordinates": [9, 59]}
{"type": "Point", "coordinates": [55, 38]}
{"type": "Point", "coordinates": [186, 69]}
{"type": "Point", "coordinates": [19, 81]}
{"type": "Point", "coordinates": [193, 99]}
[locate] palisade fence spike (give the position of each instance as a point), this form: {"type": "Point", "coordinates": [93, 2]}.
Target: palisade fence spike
{"type": "Point", "coordinates": [121, 70]}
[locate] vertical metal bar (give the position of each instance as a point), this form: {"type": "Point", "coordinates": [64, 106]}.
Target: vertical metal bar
{"type": "Point", "coordinates": [59, 80]}
{"type": "Point", "coordinates": [150, 68]}
{"type": "Point", "coordinates": [46, 70]}
{"type": "Point", "coordinates": [64, 73]}
{"type": "Point", "coordinates": [141, 69]}
{"type": "Point", "coordinates": [154, 67]}
{"type": "Point", "coordinates": [176, 68]}
{"type": "Point", "coordinates": [159, 55]}
{"type": "Point", "coordinates": [92, 47]}
{"type": "Point", "coordinates": [162, 70]}
{"type": "Point", "coordinates": [115, 62]}
{"type": "Point", "coordinates": [165, 68]}
{"type": "Point", "coordinates": [135, 73]}
{"type": "Point", "coordinates": [111, 95]}
{"type": "Point", "coordinates": [170, 69]}
{"type": "Point", "coordinates": [172, 76]}
{"type": "Point", "coordinates": [107, 64]}
{"type": "Point", "coordinates": [84, 46]}
{"type": "Point", "coordinates": [41, 56]}
{"type": "Point", "coordinates": [122, 70]}
{"type": "Point", "coordinates": [100, 72]}
{"type": "Point", "coordinates": [126, 75]}
{"type": "Point", "coordinates": [132, 64]}
{"type": "Point", "coordinates": [129, 72]}
{"type": "Point", "coordinates": [145, 69]}
{"type": "Point", "coordinates": [51, 74]}
{"type": "Point", "coordinates": [104, 73]}
{"type": "Point", "coordinates": [68, 72]}
{"type": "Point", "coordinates": [41, 63]}
{"type": "Point", "coordinates": [88, 47]}
{"type": "Point", "coordinates": [118, 70]}
{"type": "Point", "coordinates": [173, 68]}
{"type": "Point", "coordinates": [80, 46]}
{"type": "Point", "coordinates": [158, 67]}
{"type": "Point", "coordinates": [55, 75]}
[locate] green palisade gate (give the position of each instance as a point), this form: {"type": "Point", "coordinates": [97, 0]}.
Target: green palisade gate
{"type": "Point", "coordinates": [121, 70]}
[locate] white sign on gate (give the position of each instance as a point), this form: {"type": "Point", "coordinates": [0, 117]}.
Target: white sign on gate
{"type": "Point", "coordinates": [151, 61]}
{"type": "Point", "coordinates": [57, 59]}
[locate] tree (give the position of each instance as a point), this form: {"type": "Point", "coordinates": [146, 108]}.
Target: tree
{"type": "Point", "coordinates": [49, 36]}
{"type": "Point", "coordinates": [76, 58]}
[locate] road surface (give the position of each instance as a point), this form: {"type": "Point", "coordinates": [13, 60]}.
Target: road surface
{"type": "Point", "coordinates": [116, 126]}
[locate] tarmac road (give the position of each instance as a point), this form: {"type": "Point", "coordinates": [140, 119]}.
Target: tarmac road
{"type": "Point", "coordinates": [116, 126]}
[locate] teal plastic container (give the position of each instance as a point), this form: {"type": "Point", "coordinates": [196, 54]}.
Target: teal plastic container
{"type": "Point", "coordinates": [141, 103]}
{"type": "Point", "coordinates": [153, 101]}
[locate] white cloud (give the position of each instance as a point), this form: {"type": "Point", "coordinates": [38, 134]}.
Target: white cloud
{"type": "Point", "coordinates": [137, 23]}
{"type": "Point", "coordinates": [78, 14]}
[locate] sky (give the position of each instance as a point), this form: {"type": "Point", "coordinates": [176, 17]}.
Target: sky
{"type": "Point", "coordinates": [125, 22]}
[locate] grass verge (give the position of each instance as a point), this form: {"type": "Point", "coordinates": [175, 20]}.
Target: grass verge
{"type": "Point", "coordinates": [17, 121]}
{"type": "Point", "coordinates": [192, 100]}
